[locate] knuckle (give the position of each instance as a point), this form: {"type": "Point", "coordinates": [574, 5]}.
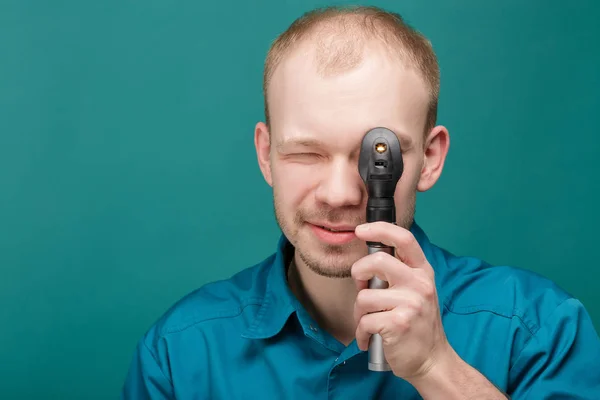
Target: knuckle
{"type": "Point", "coordinates": [361, 327]}
{"type": "Point", "coordinates": [429, 274]}
{"type": "Point", "coordinates": [400, 322]}
{"type": "Point", "coordinates": [380, 257]}
{"type": "Point", "coordinates": [357, 268]}
{"type": "Point", "coordinates": [429, 290]}
{"type": "Point", "coordinates": [405, 237]}
{"type": "Point", "coordinates": [361, 298]}
{"type": "Point", "coordinates": [426, 285]}
{"type": "Point", "coordinates": [354, 270]}
{"type": "Point", "coordinates": [416, 307]}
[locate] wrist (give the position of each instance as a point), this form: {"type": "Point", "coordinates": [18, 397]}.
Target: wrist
{"type": "Point", "coordinates": [449, 377]}
{"type": "Point", "coordinates": [438, 380]}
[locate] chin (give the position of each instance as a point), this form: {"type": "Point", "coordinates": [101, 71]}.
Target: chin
{"type": "Point", "coordinates": [333, 261]}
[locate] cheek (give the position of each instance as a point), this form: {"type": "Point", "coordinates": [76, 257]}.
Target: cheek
{"type": "Point", "coordinates": [294, 182]}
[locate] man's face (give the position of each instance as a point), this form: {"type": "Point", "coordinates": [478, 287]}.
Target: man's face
{"type": "Point", "coordinates": [311, 161]}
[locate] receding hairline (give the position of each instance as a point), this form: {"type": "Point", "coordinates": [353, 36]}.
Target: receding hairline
{"type": "Point", "coordinates": [339, 41]}
{"type": "Point", "coordinates": [341, 33]}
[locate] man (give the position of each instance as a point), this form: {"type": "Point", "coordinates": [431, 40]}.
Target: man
{"type": "Point", "coordinates": [298, 324]}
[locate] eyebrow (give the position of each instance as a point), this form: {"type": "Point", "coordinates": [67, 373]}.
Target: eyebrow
{"type": "Point", "coordinates": [302, 142]}
{"type": "Point", "coordinates": [406, 142]}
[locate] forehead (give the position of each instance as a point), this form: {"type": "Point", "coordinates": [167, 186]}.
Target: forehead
{"type": "Point", "coordinates": [341, 107]}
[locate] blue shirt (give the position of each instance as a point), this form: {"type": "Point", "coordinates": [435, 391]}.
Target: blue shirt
{"type": "Point", "coordinates": [247, 337]}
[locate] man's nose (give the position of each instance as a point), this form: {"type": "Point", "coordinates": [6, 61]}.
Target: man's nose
{"type": "Point", "coordinates": [341, 185]}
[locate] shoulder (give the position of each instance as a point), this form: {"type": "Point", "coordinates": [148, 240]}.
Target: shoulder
{"type": "Point", "coordinates": [472, 285]}
{"type": "Point", "coordinates": [521, 329]}
{"type": "Point", "coordinates": [213, 302]}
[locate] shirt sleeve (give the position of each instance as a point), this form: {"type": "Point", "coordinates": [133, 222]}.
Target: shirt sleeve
{"type": "Point", "coordinates": [561, 360]}
{"type": "Point", "coordinates": [145, 379]}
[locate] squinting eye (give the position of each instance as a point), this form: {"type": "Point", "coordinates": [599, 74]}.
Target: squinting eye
{"type": "Point", "coordinates": [305, 157]}
{"type": "Point", "coordinates": [307, 154]}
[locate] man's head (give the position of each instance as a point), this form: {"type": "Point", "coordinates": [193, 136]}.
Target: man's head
{"type": "Point", "coordinates": [331, 77]}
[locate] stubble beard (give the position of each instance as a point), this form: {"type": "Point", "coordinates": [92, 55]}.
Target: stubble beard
{"type": "Point", "coordinates": [331, 261]}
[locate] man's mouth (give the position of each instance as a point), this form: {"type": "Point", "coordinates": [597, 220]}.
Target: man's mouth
{"type": "Point", "coordinates": [335, 229]}
{"type": "Point", "coordinates": [334, 234]}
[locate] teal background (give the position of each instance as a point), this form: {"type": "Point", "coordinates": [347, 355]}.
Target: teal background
{"type": "Point", "coordinates": [128, 173]}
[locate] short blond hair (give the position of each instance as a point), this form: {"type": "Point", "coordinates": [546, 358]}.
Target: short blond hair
{"type": "Point", "coordinates": [348, 27]}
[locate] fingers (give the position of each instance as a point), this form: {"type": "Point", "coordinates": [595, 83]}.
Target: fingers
{"type": "Point", "coordinates": [369, 324]}
{"type": "Point", "coordinates": [381, 300]}
{"type": "Point", "coordinates": [377, 323]}
{"type": "Point", "coordinates": [407, 248]}
{"type": "Point", "coordinates": [382, 266]}
{"type": "Point", "coordinates": [394, 324]}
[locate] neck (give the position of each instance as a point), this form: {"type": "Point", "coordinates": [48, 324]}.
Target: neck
{"type": "Point", "coordinates": [329, 301]}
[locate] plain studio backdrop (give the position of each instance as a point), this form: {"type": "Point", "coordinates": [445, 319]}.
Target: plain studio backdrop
{"type": "Point", "coordinates": [128, 175]}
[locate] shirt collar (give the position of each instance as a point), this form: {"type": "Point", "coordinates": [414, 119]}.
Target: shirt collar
{"type": "Point", "coordinates": [279, 302]}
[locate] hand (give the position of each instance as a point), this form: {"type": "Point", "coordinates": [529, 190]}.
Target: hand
{"type": "Point", "coordinates": [406, 314]}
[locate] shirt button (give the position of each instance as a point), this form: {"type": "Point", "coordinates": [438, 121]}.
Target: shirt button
{"type": "Point", "coordinates": [312, 328]}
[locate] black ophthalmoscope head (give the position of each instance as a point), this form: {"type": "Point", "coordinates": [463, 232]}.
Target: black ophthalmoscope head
{"type": "Point", "coordinates": [380, 166]}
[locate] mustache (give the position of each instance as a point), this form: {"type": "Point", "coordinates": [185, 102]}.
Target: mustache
{"type": "Point", "coordinates": [334, 216]}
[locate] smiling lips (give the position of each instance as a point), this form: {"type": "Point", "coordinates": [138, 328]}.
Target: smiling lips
{"type": "Point", "coordinates": [334, 235]}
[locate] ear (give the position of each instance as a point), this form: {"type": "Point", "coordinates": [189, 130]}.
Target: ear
{"type": "Point", "coordinates": [436, 147]}
{"type": "Point", "coordinates": [262, 143]}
